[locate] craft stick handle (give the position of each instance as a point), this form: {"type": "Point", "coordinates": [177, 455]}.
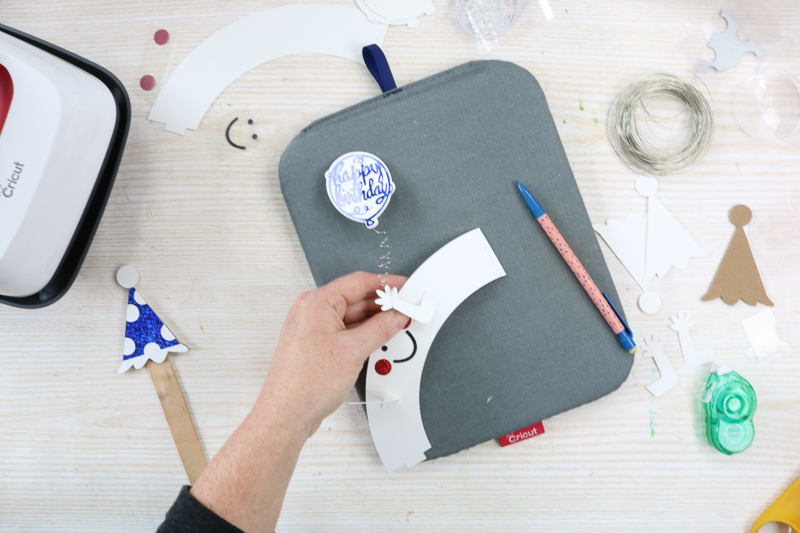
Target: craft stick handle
{"type": "Point", "coordinates": [178, 417]}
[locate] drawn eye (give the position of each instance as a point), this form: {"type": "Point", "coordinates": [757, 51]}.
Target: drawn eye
{"type": "Point", "coordinates": [384, 348]}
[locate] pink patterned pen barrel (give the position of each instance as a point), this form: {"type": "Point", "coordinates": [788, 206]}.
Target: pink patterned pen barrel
{"type": "Point", "coordinates": [580, 273]}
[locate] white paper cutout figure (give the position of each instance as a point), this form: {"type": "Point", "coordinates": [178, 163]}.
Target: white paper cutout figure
{"type": "Point", "coordinates": [423, 312]}
{"type": "Point", "coordinates": [682, 324]}
{"type": "Point", "coordinates": [654, 348]}
{"type": "Point", "coordinates": [728, 49]}
{"type": "Point", "coordinates": [252, 41]}
{"type": "Point", "coordinates": [146, 336]}
{"type": "Point", "coordinates": [762, 332]}
{"type": "Point", "coordinates": [396, 12]}
{"type": "Point", "coordinates": [650, 251]}
{"type": "Point", "coordinates": [452, 274]}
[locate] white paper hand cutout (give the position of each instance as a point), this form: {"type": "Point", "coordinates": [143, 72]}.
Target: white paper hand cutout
{"type": "Point", "coordinates": [423, 312]}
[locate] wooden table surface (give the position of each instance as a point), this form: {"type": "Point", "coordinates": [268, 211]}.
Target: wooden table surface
{"type": "Point", "coordinates": [85, 449]}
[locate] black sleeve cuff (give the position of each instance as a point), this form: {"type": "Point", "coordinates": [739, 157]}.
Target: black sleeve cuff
{"type": "Point", "coordinates": [188, 515]}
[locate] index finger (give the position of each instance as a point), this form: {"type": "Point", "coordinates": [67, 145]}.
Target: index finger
{"type": "Point", "coordinates": [358, 286]}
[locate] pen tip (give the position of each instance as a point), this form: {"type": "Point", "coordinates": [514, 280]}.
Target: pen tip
{"type": "Point", "coordinates": [633, 350]}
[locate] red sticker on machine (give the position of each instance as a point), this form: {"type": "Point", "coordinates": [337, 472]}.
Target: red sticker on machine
{"type": "Point", "coordinates": [522, 434]}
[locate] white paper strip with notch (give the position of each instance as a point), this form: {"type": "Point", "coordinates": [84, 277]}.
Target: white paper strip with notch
{"type": "Point", "coordinates": [252, 41]}
{"type": "Point", "coordinates": [452, 274]}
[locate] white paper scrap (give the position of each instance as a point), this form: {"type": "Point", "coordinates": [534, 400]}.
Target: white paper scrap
{"type": "Point", "coordinates": [762, 332]}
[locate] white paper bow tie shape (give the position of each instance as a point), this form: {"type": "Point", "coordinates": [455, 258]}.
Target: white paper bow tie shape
{"type": "Point", "coordinates": [423, 312]}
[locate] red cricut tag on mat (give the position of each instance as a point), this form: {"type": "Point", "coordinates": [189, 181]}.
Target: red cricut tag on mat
{"type": "Point", "coordinates": [522, 434]}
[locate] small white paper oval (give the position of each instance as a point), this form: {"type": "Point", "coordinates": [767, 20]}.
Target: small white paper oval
{"type": "Point", "coordinates": [359, 186]}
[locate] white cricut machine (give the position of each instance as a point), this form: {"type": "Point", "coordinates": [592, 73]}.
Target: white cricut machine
{"type": "Point", "coordinates": [63, 125]}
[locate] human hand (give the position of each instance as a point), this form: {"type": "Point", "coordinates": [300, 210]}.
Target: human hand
{"type": "Point", "coordinates": [326, 337]}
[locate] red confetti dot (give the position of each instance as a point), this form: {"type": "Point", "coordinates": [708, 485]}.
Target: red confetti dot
{"type": "Point", "coordinates": [147, 82]}
{"type": "Point", "coordinates": [383, 367]}
{"type": "Point", "coordinates": [161, 37]}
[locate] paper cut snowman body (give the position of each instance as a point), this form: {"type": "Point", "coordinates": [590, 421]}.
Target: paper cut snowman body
{"type": "Point", "coordinates": [452, 274]}
{"type": "Point", "coordinates": [146, 336]}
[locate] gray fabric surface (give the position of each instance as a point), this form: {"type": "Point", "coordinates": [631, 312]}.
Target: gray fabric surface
{"type": "Point", "coordinates": [455, 144]}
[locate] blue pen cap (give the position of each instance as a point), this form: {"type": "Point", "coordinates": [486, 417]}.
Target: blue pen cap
{"type": "Point", "coordinates": [627, 341]}
{"type": "Point", "coordinates": [531, 202]}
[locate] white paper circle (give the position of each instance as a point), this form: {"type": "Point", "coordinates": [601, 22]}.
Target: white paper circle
{"type": "Point", "coordinates": [133, 313]}
{"type": "Point", "coordinates": [166, 333]}
{"type": "Point", "coordinates": [153, 351]}
{"type": "Point", "coordinates": [649, 302]}
{"type": "Point", "coordinates": [128, 347]}
{"type": "Point", "coordinates": [646, 186]}
{"type": "Point", "coordinates": [138, 298]}
{"type": "Point", "coordinates": [128, 276]}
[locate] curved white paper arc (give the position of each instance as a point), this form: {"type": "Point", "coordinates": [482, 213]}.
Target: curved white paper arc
{"type": "Point", "coordinates": [454, 272]}
{"type": "Point", "coordinates": [252, 41]}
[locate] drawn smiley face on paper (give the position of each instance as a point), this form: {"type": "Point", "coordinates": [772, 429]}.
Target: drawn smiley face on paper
{"type": "Point", "coordinates": [397, 351]}
{"type": "Point", "coordinates": [253, 136]}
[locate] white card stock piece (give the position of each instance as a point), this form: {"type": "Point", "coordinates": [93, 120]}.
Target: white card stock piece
{"type": "Point", "coordinates": [252, 41]}
{"type": "Point", "coordinates": [693, 357]}
{"type": "Point", "coordinates": [650, 249]}
{"type": "Point", "coordinates": [654, 348]}
{"type": "Point", "coordinates": [451, 275]}
{"type": "Point", "coordinates": [762, 332]}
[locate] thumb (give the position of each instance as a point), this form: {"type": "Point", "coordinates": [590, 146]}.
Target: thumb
{"type": "Point", "coordinates": [375, 332]}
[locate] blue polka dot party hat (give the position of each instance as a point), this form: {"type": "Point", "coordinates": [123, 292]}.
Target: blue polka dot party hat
{"type": "Point", "coordinates": [146, 336]}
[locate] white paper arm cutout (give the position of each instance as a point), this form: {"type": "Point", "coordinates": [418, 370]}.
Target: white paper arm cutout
{"type": "Point", "coordinates": [423, 312]}
{"type": "Point", "coordinates": [653, 347]}
{"type": "Point", "coordinates": [455, 272]}
{"type": "Point", "coordinates": [693, 357]}
{"type": "Point", "coordinates": [252, 41]}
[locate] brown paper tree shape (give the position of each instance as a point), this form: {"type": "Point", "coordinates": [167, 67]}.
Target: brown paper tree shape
{"type": "Point", "coordinates": [737, 277]}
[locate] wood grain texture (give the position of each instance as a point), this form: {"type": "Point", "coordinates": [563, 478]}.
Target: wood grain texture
{"type": "Point", "coordinates": [178, 418]}
{"type": "Point", "coordinates": [85, 449]}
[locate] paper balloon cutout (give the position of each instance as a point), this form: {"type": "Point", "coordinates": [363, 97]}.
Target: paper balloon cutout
{"type": "Point", "coordinates": [737, 277]}
{"type": "Point", "coordinates": [359, 186]}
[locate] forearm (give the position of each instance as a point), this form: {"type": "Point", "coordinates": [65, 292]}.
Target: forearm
{"type": "Point", "coordinates": [246, 482]}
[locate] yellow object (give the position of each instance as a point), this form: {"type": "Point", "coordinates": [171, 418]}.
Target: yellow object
{"type": "Point", "coordinates": [785, 510]}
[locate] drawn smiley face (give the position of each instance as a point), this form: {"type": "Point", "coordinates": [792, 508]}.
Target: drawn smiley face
{"type": "Point", "coordinates": [404, 353]}
{"type": "Point", "coordinates": [228, 134]}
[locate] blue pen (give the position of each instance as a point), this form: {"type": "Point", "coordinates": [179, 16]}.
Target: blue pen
{"type": "Point", "coordinates": [601, 300]}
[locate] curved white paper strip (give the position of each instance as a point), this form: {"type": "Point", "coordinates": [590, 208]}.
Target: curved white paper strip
{"type": "Point", "coordinates": [455, 272]}
{"type": "Point", "coordinates": [254, 40]}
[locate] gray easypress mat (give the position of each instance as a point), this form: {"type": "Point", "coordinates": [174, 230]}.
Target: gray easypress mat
{"type": "Point", "coordinates": [455, 144]}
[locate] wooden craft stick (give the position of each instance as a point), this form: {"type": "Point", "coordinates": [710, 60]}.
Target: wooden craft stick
{"type": "Point", "coordinates": [178, 417]}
